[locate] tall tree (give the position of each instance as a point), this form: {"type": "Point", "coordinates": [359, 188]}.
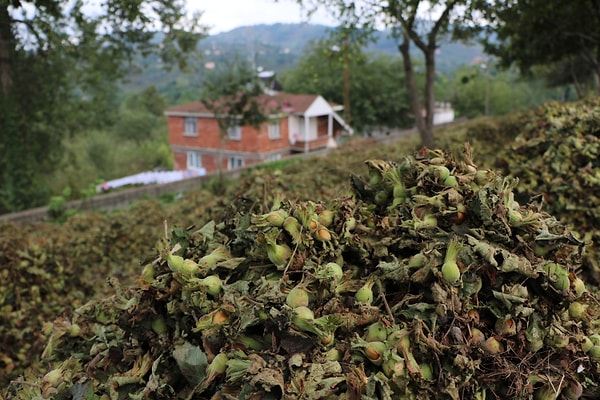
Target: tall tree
{"type": "Point", "coordinates": [54, 56]}
{"type": "Point", "coordinates": [563, 36]}
{"type": "Point", "coordinates": [232, 92]}
{"type": "Point", "coordinates": [375, 96]}
{"type": "Point", "coordinates": [419, 24]}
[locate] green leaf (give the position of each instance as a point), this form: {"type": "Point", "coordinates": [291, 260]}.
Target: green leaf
{"type": "Point", "coordinates": [192, 362]}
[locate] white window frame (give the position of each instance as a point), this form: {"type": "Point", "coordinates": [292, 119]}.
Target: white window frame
{"type": "Point", "coordinates": [190, 126]}
{"type": "Point", "coordinates": [235, 162]}
{"type": "Point", "coordinates": [234, 132]}
{"type": "Point", "coordinates": [194, 160]}
{"type": "Point", "coordinates": [274, 130]}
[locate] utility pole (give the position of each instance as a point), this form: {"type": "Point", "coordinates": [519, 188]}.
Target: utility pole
{"type": "Point", "coordinates": [346, 77]}
{"type": "Point", "coordinates": [485, 66]}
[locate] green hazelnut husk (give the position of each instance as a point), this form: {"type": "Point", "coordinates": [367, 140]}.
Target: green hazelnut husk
{"type": "Point", "coordinates": [477, 336]}
{"type": "Point", "coordinates": [492, 346]}
{"type": "Point", "coordinates": [325, 217]}
{"type": "Point", "coordinates": [181, 265]}
{"type": "Point", "coordinates": [303, 318]}
{"type": "Point", "coordinates": [450, 269]}
{"type": "Point", "coordinates": [53, 378]}
{"type": "Point", "coordinates": [213, 284]}
{"type": "Point", "coordinates": [74, 330]}
{"type": "Point", "coordinates": [334, 270]}
{"type": "Point", "coordinates": [276, 218]}
{"type": "Point", "coordinates": [595, 338]}
{"type": "Point", "coordinates": [279, 254]}
{"type": "Point", "coordinates": [393, 367]}
{"type": "Point", "coordinates": [577, 310]}
{"type": "Point", "coordinates": [377, 331]}
{"type": "Point", "coordinates": [159, 325]}
{"type": "Point", "coordinates": [586, 344]}
{"type": "Point", "coordinates": [374, 352]}
{"type": "Point", "coordinates": [297, 297]}
{"type": "Point", "coordinates": [578, 287]}
{"type": "Point", "coordinates": [364, 295]}
{"type": "Point", "coordinates": [451, 181]}
{"type": "Point", "coordinates": [594, 352]}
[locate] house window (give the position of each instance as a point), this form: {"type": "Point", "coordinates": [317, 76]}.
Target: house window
{"type": "Point", "coordinates": [191, 126]}
{"type": "Point", "coordinates": [236, 162]}
{"type": "Point", "coordinates": [194, 160]}
{"type": "Point", "coordinates": [234, 132]}
{"type": "Point", "coordinates": [274, 132]}
{"type": "Point", "coordinates": [274, 157]}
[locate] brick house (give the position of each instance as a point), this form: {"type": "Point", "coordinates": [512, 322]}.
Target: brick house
{"type": "Point", "coordinates": [297, 123]}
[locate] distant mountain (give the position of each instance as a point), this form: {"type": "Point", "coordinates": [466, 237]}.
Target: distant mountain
{"type": "Point", "coordinates": [273, 47]}
{"type": "Point", "coordinates": [287, 37]}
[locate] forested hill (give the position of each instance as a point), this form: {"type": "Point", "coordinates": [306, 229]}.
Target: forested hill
{"type": "Point", "coordinates": [275, 47]}
{"type": "Point", "coordinates": [293, 38]}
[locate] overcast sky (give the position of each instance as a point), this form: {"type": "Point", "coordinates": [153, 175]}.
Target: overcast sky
{"type": "Point", "coordinates": [225, 15]}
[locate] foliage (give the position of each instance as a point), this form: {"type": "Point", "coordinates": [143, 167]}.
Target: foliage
{"type": "Point", "coordinates": [136, 141]}
{"type": "Point", "coordinates": [69, 263]}
{"type": "Point", "coordinates": [147, 100]}
{"type": "Point", "coordinates": [555, 155]}
{"type": "Point", "coordinates": [563, 35]}
{"type": "Point", "coordinates": [413, 24]}
{"type": "Point", "coordinates": [73, 259]}
{"type": "Point", "coordinates": [33, 119]}
{"type": "Point", "coordinates": [57, 65]}
{"type": "Point", "coordinates": [136, 126]}
{"type": "Point", "coordinates": [420, 282]}
{"type": "Point", "coordinates": [232, 93]}
{"type": "Point", "coordinates": [470, 88]}
{"type": "Point", "coordinates": [276, 47]}
{"type": "Point", "coordinates": [377, 97]}
{"type": "Point", "coordinates": [57, 211]}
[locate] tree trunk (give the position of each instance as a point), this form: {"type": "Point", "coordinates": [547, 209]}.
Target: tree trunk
{"type": "Point", "coordinates": [346, 88]}
{"type": "Point", "coordinates": [596, 66]}
{"type": "Point", "coordinates": [7, 46]}
{"type": "Point", "coordinates": [421, 121]}
{"type": "Point", "coordinates": [427, 134]}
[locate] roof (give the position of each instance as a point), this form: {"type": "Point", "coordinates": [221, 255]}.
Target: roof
{"type": "Point", "coordinates": [287, 102]}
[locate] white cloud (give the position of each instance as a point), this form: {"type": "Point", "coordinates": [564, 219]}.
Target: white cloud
{"type": "Point", "coordinates": [225, 15]}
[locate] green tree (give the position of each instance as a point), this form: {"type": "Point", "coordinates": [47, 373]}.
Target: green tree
{"type": "Point", "coordinates": [141, 117]}
{"type": "Point", "coordinates": [135, 125]}
{"type": "Point", "coordinates": [484, 89]}
{"type": "Point", "coordinates": [419, 24]}
{"type": "Point", "coordinates": [571, 74]}
{"type": "Point", "coordinates": [55, 60]}
{"type": "Point", "coordinates": [375, 96]}
{"type": "Point", "coordinates": [148, 100]}
{"type": "Point", "coordinates": [232, 92]}
{"type": "Point", "coordinates": [561, 36]}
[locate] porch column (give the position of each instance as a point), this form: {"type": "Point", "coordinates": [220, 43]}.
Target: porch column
{"type": "Point", "coordinates": [306, 125]}
{"type": "Point", "coordinates": [329, 125]}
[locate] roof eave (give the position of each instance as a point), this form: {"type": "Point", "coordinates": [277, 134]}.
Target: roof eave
{"type": "Point", "coordinates": [188, 114]}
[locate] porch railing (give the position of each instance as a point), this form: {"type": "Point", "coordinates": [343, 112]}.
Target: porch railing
{"type": "Point", "coordinates": [315, 144]}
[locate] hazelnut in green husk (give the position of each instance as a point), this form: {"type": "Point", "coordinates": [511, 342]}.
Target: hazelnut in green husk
{"type": "Point", "coordinates": [297, 297]}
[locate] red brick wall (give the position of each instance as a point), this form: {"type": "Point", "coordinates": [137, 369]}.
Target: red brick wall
{"type": "Point", "coordinates": [179, 160]}
{"type": "Point", "coordinates": [253, 141]}
{"type": "Point", "coordinates": [208, 133]}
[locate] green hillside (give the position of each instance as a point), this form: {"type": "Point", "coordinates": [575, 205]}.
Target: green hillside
{"type": "Point", "coordinates": [275, 47]}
